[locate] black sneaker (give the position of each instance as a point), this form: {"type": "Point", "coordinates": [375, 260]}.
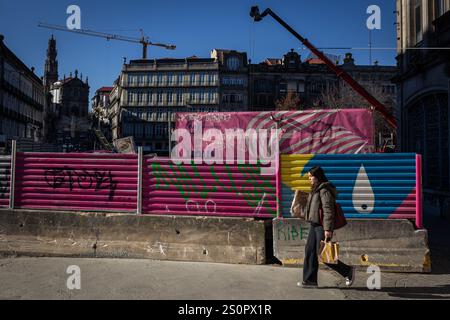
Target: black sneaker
{"type": "Point", "coordinates": [307, 285]}
{"type": "Point", "coordinates": [351, 277]}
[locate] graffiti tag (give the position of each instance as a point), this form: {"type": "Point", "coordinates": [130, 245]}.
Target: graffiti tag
{"type": "Point", "coordinates": [83, 179]}
{"type": "Point", "coordinates": [194, 207]}
{"type": "Point", "coordinates": [252, 188]}
{"type": "Point", "coordinates": [291, 233]}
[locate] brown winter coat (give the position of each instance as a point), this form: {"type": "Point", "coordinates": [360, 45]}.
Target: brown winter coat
{"type": "Point", "coordinates": [324, 196]}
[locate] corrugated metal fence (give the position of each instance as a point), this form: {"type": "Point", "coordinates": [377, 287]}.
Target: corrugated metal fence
{"type": "Point", "coordinates": [76, 181]}
{"type": "Point", "coordinates": [199, 189]}
{"type": "Point", "coordinates": [369, 185]}
{"type": "Point", "coordinates": [5, 177]}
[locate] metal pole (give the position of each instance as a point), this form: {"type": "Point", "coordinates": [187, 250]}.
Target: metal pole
{"type": "Point", "coordinates": [13, 174]}
{"type": "Point", "coordinates": [419, 214]}
{"type": "Point", "coordinates": [139, 190]}
{"type": "Point", "coordinates": [278, 178]}
{"type": "Point", "coordinates": [169, 125]}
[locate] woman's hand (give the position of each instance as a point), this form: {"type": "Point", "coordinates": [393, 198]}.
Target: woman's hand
{"type": "Point", "coordinates": [328, 234]}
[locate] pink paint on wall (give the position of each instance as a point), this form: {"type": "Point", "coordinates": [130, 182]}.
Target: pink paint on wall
{"type": "Point", "coordinates": [407, 210]}
{"type": "Point", "coordinates": [77, 181]}
{"type": "Point", "coordinates": [219, 190]}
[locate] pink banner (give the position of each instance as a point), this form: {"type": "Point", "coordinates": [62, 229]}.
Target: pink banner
{"type": "Point", "coordinates": [330, 131]}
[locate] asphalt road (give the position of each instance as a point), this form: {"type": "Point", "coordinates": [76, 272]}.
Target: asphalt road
{"type": "Point", "coordinates": [46, 278]}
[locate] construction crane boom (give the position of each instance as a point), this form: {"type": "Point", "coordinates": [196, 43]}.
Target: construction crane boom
{"type": "Point", "coordinates": [143, 40]}
{"type": "Point", "coordinates": [257, 16]}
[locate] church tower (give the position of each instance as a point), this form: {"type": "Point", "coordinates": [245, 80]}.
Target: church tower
{"type": "Point", "coordinates": [51, 65]}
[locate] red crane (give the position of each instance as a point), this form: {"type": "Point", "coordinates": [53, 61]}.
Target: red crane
{"type": "Point", "coordinates": [257, 16]}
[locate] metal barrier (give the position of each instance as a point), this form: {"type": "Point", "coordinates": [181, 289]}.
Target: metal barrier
{"type": "Point", "coordinates": [385, 186]}
{"type": "Point", "coordinates": [5, 178]}
{"type": "Point", "coordinates": [76, 181]}
{"type": "Point", "coordinates": [219, 190]}
{"type": "Point", "coordinates": [369, 185]}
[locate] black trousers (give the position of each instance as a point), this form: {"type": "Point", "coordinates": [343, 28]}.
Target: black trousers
{"type": "Point", "coordinates": [311, 263]}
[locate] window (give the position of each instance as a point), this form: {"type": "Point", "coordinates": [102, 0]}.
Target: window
{"type": "Point", "coordinates": [211, 97]}
{"type": "Point", "coordinates": [179, 97]}
{"type": "Point", "coordinates": [140, 97]}
{"type": "Point", "coordinates": [159, 130]}
{"type": "Point", "coordinates": [148, 129]}
{"type": "Point", "coordinates": [149, 97]}
{"type": "Point", "coordinates": [203, 79]}
{"type": "Point", "coordinates": [202, 96]}
{"type": "Point", "coordinates": [180, 79]}
{"type": "Point", "coordinates": [211, 78]}
{"type": "Point", "coordinates": [142, 79]}
{"type": "Point", "coordinates": [438, 8]}
{"type": "Point", "coordinates": [159, 79]}
{"type": "Point", "coordinates": [139, 129]}
{"type": "Point", "coordinates": [233, 63]}
{"type": "Point", "coordinates": [169, 97]}
{"type": "Point", "coordinates": [132, 79]}
{"type": "Point", "coordinates": [301, 86]}
{"type": "Point", "coordinates": [191, 95]}
{"type": "Point", "coordinates": [159, 98]}
{"type": "Point", "coordinates": [171, 79]}
{"type": "Point", "coordinates": [428, 135]}
{"type": "Point", "coordinates": [192, 79]}
{"type": "Point", "coordinates": [416, 21]}
{"type": "Point", "coordinates": [131, 97]}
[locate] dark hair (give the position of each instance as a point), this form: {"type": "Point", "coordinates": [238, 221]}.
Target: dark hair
{"type": "Point", "coordinates": [319, 174]}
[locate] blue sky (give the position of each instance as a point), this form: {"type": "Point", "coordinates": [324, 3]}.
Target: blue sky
{"type": "Point", "coordinates": [195, 27]}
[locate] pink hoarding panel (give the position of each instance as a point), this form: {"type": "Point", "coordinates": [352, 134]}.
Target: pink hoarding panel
{"type": "Point", "coordinates": [330, 131]}
{"type": "Point", "coordinates": [219, 190]}
{"type": "Point", "coordinates": [76, 181]}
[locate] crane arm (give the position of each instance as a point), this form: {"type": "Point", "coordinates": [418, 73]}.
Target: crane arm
{"type": "Point", "coordinates": [254, 13]}
{"type": "Point", "coordinates": [108, 36]}
{"type": "Point", "coordinates": [90, 33]}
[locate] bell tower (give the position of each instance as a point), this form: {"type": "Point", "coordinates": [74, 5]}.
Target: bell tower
{"type": "Point", "coordinates": [51, 65]}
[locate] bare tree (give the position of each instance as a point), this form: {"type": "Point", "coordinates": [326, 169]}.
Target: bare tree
{"type": "Point", "coordinates": [344, 97]}
{"type": "Point", "coordinates": [290, 102]}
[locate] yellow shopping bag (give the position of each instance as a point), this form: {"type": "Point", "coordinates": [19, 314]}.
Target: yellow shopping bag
{"type": "Point", "coordinates": [329, 252]}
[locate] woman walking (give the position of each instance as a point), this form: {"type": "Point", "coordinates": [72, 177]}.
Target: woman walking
{"type": "Point", "coordinates": [323, 196]}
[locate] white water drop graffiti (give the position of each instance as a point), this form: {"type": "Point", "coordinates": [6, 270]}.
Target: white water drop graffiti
{"type": "Point", "coordinates": [363, 197]}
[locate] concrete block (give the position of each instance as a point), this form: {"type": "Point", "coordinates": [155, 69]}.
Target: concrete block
{"type": "Point", "coordinates": [178, 238]}
{"type": "Point", "coordinates": [393, 245]}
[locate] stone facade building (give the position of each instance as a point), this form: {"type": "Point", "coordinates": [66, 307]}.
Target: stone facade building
{"type": "Point", "coordinates": [67, 118]}
{"type": "Point", "coordinates": [21, 99]}
{"type": "Point", "coordinates": [233, 79]}
{"type": "Point", "coordinates": [423, 92]}
{"type": "Point", "coordinates": [316, 86]}
{"type": "Point", "coordinates": [149, 92]}
{"type": "Point", "coordinates": [100, 110]}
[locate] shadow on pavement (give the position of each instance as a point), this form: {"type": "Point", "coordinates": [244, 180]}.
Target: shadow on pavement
{"type": "Point", "coordinates": [433, 293]}
{"type": "Point", "coordinates": [439, 243]}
